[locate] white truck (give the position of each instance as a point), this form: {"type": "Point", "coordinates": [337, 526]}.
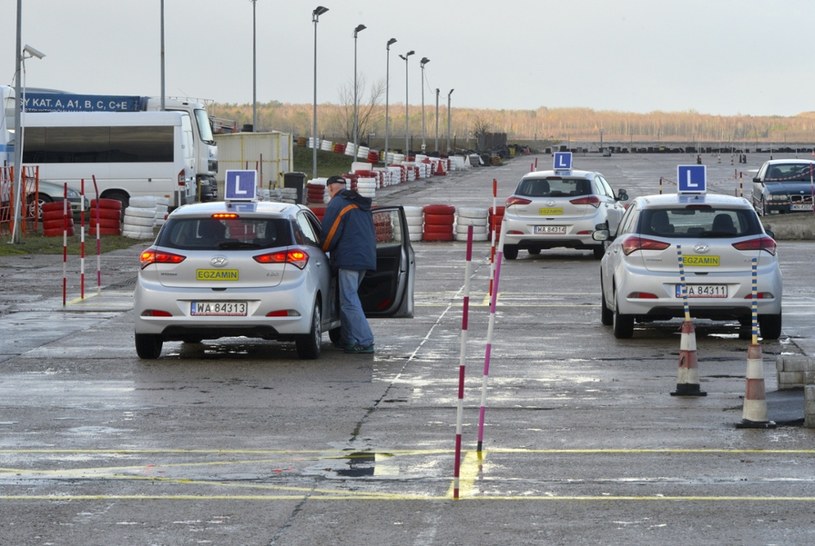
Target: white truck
{"type": "Point", "coordinates": [205, 149]}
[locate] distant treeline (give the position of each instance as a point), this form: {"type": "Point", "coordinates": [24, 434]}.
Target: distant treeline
{"type": "Point", "coordinates": [543, 124]}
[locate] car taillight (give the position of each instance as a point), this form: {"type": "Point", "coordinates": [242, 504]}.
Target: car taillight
{"type": "Point", "coordinates": [514, 200]}
{"type": "Point", "coordinates": [592, 200]}
{"type": "Point", "coordinates": [296, 257]}
{"type": "Point", "coordinates": [635, 243]}
{"type": "Point", "coordinates": [153, 256]}
{"type": "Point", "coordinates": [761, 243]}
{"type": "Point", "coordinates": [182, 180]}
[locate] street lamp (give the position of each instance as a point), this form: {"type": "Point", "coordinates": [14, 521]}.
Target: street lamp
{"type": "Point", "coordinates": [407, 143]}
{"type": "Point", "coordinates": [315, 17]}
{"type": "Point", "coordinates": [423, 62]}
{"type": "Point", "coordinates": [437, 120]}
{"type": "Point", "coordinates": [19, 92]}
{"type": "Point", "coordinates": [254, 68]}
{"type": "Point", "coordinates": [357, 30]}
{"type": "Point", "coordinates": [448, 120]}
{"type": "Point", "coordinates": [387, 77]}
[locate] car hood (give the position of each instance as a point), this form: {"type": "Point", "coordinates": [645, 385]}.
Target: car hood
{"type": "Point", "coordinates": [773, 188]}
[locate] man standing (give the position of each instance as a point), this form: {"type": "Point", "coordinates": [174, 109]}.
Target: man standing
{"type": "Point", "coordinates": [350, 239]}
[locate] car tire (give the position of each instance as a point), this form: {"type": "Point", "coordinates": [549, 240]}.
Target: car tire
{"type": "Point", "coordinates": [148, 346]}
{"type": "Point", "coordinates": [770, 326]}
{"type": "Point", "coordinates": [308, 345]}
{"type": "Point", "coordinates": [534, 251]}
{"type": "Point", "coordinates": [599, 252]}
{"type": "Point", "coordinates": [606, 314]}
{"type": "Point", "coordinates": [510, 252]}
{"type": "Point", "coordinates": [335, 335]}
{"type": "Point", "coordinates": [623, 325]}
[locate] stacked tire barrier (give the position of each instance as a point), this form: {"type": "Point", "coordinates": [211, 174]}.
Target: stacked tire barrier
{"type": "Point", "coordinates": [438, 222]}
{"type": "Point", "coordinates": [105, 215]}
{"type": "Point", "coordinates": [54, 221]}
{"type": "Point", "coordinates": [415, 222]}
{"type": "Point", "coordinates": [140, 218]}
{"type": "Point", "coordinates": [472, 216]}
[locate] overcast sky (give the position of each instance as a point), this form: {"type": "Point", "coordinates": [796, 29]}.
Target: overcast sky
{"type": "Point", "coordinates": [751, 57]}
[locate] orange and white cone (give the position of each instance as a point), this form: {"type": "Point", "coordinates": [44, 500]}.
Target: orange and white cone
{"type": "Point", "coordinates": [687, 379]}
{"type": "Point", "coordinates": [754, 413]}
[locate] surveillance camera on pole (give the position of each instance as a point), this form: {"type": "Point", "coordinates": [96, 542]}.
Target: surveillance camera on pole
{"type": "Point", "coordinates": [33, 52]}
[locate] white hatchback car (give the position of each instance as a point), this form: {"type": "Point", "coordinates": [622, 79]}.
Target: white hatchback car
{"type": "Point", "coordinates": [719, 236]}
{"type": "Point", "coordinates": [551, 209]}
{"type": "Point", "coordinates": [255, 269]}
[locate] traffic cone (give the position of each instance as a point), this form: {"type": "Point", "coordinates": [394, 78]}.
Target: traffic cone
{"type": "Point", "coordinates": [439, 169]}
{"type": "Point", "coordinates": [687, 380]}
{"type": "Point", "coordinates": [754, 413]}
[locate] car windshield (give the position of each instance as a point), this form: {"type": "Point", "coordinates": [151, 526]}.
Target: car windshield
{"type": "Point", "coordinates": [700, 222]}
{"type": "Point", "coordinates": [554, 186]}
{"type": "Point", "coordinates": [212, 234]}
{"type": "Point", "coordinates": [793, 172]}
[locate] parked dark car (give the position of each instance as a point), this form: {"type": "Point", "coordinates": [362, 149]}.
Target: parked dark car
{"type": "Point", "coordinates": [784, 185]}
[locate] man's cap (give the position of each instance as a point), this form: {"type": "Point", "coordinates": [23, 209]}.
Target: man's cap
{"type": "Point", "coordinates": [335, 180]}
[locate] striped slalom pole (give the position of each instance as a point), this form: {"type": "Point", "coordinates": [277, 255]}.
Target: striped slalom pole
{"type": "Point", "coordinates": [465, 312]}
{"type": "Point", "coordinates": [98, 238]}
{"type": "Point", "coordinates": [492, 248]}
{"type": "Point", "coordinates": [660, 185]}
{"type": "Point", "coordinates": [754, 411]}
{"type": "Point", "coordinates": [82, 240]}
{"type": "Point", "coordinates": [687, 380]}
{"type": "Point", "coordinates": [64, 244]}
{"type": "Point", "coordinates": [499, 256]}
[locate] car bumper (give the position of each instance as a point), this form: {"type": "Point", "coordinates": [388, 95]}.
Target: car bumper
{"type": "Point", "coordinates": [181, 324]}
{"type": "Point", "coordinates": [737, 304]}
{"type": "Point", "coordinates": [520, 232]}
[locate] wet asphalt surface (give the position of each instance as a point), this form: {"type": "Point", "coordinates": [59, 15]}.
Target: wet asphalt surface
{"type": "Point", "coordinates": [238, 442]}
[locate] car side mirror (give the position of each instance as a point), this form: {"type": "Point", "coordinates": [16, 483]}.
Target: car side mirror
{"type": "Point", "coordinates": [757, 180]}
{"type": "Point", "coordinates": [770, 233]}
{"type": "Point", "coordinates": [622, 195]}
{"type": "Point", "coordinates": [601, 235]}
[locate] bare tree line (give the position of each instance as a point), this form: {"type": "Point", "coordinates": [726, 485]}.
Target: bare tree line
{"type": "Point", "coordinates": [541, 125]}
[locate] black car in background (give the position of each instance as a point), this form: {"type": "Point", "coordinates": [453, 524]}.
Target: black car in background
{"type": "Point", "coordinates": [784, 185]}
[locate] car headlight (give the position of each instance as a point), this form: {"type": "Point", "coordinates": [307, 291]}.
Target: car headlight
{"type": "Point", "coordinates": [779, 197]}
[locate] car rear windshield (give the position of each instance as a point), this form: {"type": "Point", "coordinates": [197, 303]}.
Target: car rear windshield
{"type": "Point", "coordinates": [224, 234]}
{"type": "Point", "coordinates": [553, 187]}
{"type": "Point", "coordinates": [702, 222]}
{"type": "Point", "coordinates": [793, 172]}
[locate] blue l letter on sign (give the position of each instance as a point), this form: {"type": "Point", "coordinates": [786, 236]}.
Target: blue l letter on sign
{"type": "Point", "coordinates": [563, 161]}
{"type": "Point", "coordinates": [240, 185]}
{"type": "Point", "coordinates": [691, 178]}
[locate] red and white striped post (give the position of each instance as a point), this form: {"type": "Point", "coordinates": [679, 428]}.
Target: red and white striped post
{"type": "Point", "coordinates": [465, 312]}
{"type": "Point", "coordinates": [64, 244]}
{"type": "Point", "coordinates": [492, 227]}
{"type": "Point", "coordinates": [98, 237]}
{"type": "Point", "coordinates": [82, 240]}
{"type": "Point", "coordinates": [488, 352]}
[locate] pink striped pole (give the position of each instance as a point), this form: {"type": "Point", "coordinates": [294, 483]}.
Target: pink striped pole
{"type": "Point", "coordinates": [82, 240]}
{"type": "Point", "coordinates": [493, 300]}
{"type": "Point", "coordinates": [494, 213]}
{"type": "Point", "coordinates": [64, 244]}
{"type": "Point", "coordinates": [465, 312]}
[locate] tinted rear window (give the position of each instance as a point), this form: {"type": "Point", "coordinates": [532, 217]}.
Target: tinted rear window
{"type": "Point", "coordinates": [704, 222]}
{"type": "Point", "coordinates": [211, 234]}
{"type": "Point", "coordinates": [553, 187]}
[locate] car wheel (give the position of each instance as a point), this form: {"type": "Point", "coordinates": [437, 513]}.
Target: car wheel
{"type": "Point", "coordinates": [770, 326]}
{"type": "Point", "coordinates": [148, 346]}
{"type": "Point", "coordinates": [623, 325]}
{"type": "Point", "coordinates": [120, 196]}
{"type": "Point", "coordinates": [534, 251]}
{"type": "Point", "coordinates": [308, 345]}
{"type": "Point", "coordinates": [510, 252]}
{"type": "Point", "coordinates": [599, 251]}
{"type": "Point", "coordinates": [746, 328]}
{"type": "Point", "coordinates": [35, 203]}
{"type": "Point", "coordinates": [606, 314]}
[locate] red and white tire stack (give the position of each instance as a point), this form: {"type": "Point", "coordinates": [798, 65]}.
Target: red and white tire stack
{"type": "Point", "coordinates": [438, 222]}
{"type": "Point", "coordinates": [471, 216]}
{"type": "Point", "coordinates": [54, 220]}
{"type": "Point", "coordinates": [106, 215]}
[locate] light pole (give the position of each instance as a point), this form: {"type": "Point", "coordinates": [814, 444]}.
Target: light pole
{"type": "Point", "coordinates": [423, 62]}
{"type": "Point", "coordinates": [357, 30]}
{"type": "Point", "coordinates": [387, 78]}
{"type": "Point", "coordinates": [437, 120]}
{"type": "Point", "coordinates": [448, 120]}
{"type": "Point", "coordinates": [407, 143]}
{"type": "Point", "coordinates": [254, 68]}
{"type": "Point", "coordinates": [163, 100]}
{"type": "Point", "coordinates": [315, 17]}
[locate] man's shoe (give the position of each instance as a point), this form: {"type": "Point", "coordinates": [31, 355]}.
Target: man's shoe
{"type": "Point", "coordinates": [360, 349]}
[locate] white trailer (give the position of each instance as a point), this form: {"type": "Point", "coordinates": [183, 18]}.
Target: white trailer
{"type": "Point", "coordinates": [129, 154]}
